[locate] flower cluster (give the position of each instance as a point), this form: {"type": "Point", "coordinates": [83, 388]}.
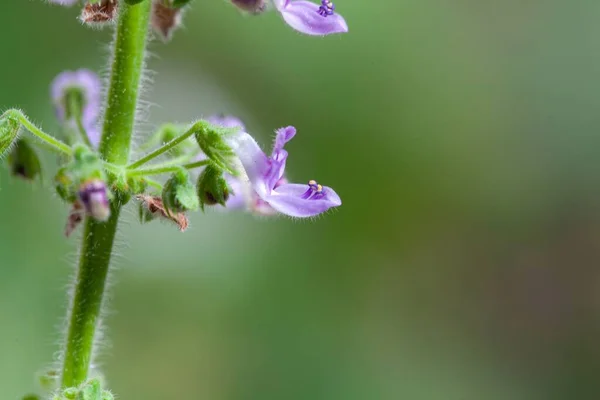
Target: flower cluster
{"type": "Point", "coordinates": [302, 15]}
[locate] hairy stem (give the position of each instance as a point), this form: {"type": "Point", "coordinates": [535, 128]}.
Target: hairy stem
{"type": "Point", "coordinates": [165, 169]}
{"type": "Point", "coordinates": [163, 149]}
{"type": "Point", "coordinates": [50, 141]}
{"type": "Point", "coordinates": [123, 93]}
{"type": "Point", "coordinates": [98, 237]}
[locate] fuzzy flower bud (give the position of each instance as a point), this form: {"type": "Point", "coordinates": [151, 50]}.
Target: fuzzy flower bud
{"type": "Point", "coordinates": [9, 130]}
{"type": "Point", "coordinates": [251, 6]}
{"type": "Point", "coordinates": [76, 96]}
{"type": "Point", "coordinates": [94, 197]}
{"type": "Point", "coordinates": [166, 18]}
{"type": "Point", "coordinates": [179, 194]}
{"type": "Point", "coordinates": [212, 187]}
{"type": "Point", "coordinates": [24, 162]}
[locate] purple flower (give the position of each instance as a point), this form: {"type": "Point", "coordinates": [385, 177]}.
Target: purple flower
{"type": "Point", "coordinates": [93, 195]}
{"type": "Point", "coordinates": [310, 18]}
{"type": "Point", "coordinates": [266, 176]}
{"type": "Point", "coordinates": [67, 3]}
{"type": "Point", "coordinates": [84, 87]}
{"type": "Point", "coordinates": [226, 121]}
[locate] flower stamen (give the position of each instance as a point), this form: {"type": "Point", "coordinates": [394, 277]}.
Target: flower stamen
{"type": "Point", "coordinates": [315, 191]}
{"type": "Point", "coordinates": [326, 8]}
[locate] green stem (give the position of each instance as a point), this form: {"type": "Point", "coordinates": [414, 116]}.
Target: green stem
{"type": "Point", "coordinates": [94, 260]}
{"type": "Point", "coordinates": [165, 169]}
{"type": "Point", "coordinates": [163, 149]}
{"type": "Point", "coordinates": [127, 65]}
{"type": "Point", "coordinates": [50, 141]}
{"type": "Point", "coordinates": [98, 237]}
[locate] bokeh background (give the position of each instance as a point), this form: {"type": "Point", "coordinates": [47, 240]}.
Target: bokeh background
{"type": "Point", "coordinates": [464, 139]}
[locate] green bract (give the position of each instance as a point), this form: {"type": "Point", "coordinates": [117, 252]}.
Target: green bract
{"type": "Point", "coordinates": [179, 193]}
{"type": "Point", "coordinates": [24, 161]}
{"type": "Point", "coordinates": [212, 187]}
{"type": "Point", "coordinates": [9, 130]}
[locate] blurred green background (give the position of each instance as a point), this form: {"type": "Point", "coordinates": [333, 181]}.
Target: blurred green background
{"type": "Point", "coordinates": [463, 137]}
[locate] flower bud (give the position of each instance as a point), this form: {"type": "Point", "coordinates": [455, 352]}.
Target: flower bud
{"type": "Point", "coordinates": [251, 6]}
{"type": "Point", "coordinates": [165, 19]}
{"type": "Point", "coordinates": [179, 194]}
{"type": "Point", "coordinates": [94, 197]}
{"type": "Point", "coordinates": [9, 130]}
{"type": "Point", "coordinates": [212, 187]}
{"type": "Point", "coordinates": [24, 162]}
{"type": "Point", "coordinates": [99, 13]}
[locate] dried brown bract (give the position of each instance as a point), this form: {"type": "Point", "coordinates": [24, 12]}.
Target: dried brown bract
{"type": "Point", "coordinates": [74, 219]}
{"type": "Point", "coordinates": [154, 205]}
{"type": "Point", "coordinates": [165, 19]}
{"type": "Point", "coordinates": [99, 13]}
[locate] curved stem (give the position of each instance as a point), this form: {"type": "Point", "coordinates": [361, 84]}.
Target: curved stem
{"type": "Point", "coordinates": [48, 140]}
{"type": "Point", "coordinates": [98, 238]}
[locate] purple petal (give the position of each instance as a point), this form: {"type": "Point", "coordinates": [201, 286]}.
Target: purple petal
{"type": "Point", "coordinates": [237, 199]}
{"type": "Point", "coordinates": [290, 199]}
{"type": "Point", "coordinates": [304, 17]}
{"type": "Point", "coordinates": [253, 159]}
{"type": "Point", "coordinates": [283, 136]}
{"type": "Point", "coordinates": [91, 89]}
{"type": "Point", "coordinates": [226, 121]}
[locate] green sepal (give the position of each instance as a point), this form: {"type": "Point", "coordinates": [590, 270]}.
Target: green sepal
{"type": "Point", "coordinates": [179, 194]}
{"type": "Point", "coordinates": [212, 187]}
{"type": "Point", "coordinates": [24, 161]}
{"type": "Point", "coordinates": [210, 138]}
{"type": "Point", "coordinates": [9, 131]}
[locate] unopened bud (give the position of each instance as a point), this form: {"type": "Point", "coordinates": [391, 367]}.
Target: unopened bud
{"type": "Point", "coordinates": [179, 193]}
{"type": "Point", "coordinates": [212, 187]}
{"type": "Point", "coordinates": [24, 162]}
{"type": "Point", "coordinates": [251, 6]}
{"type": "Point", "coordinates": [94, 197]}
{"type": "Point", "coordinates": [9, 130]}
{"type": "Point", "coordinates": [166, 18]}
{"type": "Point", "coordinates": [99, 13]}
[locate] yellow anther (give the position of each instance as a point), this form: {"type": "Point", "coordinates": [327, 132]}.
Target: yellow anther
{"type": "Point", "coordinates": [312, 182]}
{"type": "Point", "coordinates": [319, 188]}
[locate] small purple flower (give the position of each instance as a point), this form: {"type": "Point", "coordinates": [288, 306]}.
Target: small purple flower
{"type": "Point", "coordinates": [310, 18]}
{"type": "Point", "coordinates": [266, 175]}
{"type": "Point", "coordinates": [67, 3]}
{"type": "Point", "coordinates": [88, 87]}
{"type": "Point", "coordinates": [93, 195]}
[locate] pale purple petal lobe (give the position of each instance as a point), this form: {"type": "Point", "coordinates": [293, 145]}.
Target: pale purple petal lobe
{"type": "Point", "coordinates": [307, 18]}
{"type": "Point", "coordinates": [302, 201]}
{"type": "Point", "coordinates": [226, 121]}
